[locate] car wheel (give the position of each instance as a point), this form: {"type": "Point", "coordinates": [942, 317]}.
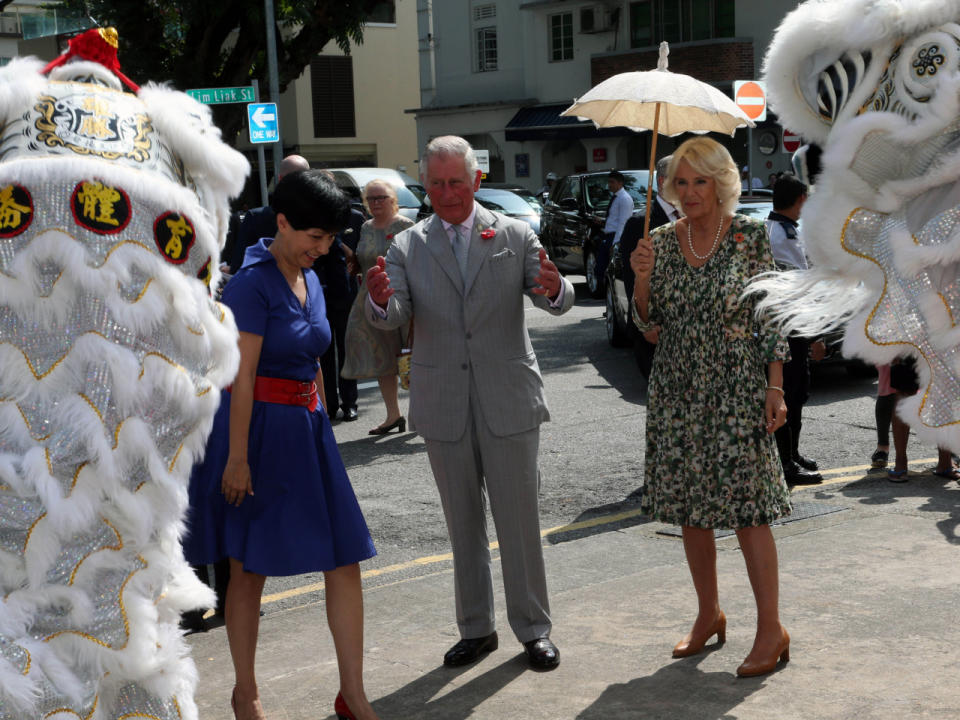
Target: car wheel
{"type": "Point", "coordinates": [594, 282]}
{"type": "Point", "coordinates": [616, 333]}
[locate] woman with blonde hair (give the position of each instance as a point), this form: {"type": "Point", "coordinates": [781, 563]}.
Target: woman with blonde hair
{"type": "Point", "coordinates": [371, 352]}
{"type": "Point", "coordinates": [716, 392]}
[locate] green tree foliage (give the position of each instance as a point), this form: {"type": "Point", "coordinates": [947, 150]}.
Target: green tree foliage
{"type": "Point", "coordinates": [222, 43]}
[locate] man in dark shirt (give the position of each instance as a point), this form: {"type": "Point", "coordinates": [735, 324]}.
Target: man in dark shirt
{"type": "Point", "coordinates": [337, 272]}
{"type": "Point", "coordinates": [261, 222]}
{"type": "Point", "coordinates": [789, 195]}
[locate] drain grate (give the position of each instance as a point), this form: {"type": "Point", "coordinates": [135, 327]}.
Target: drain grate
{"type": "Point", "coordinates": [802, 510]}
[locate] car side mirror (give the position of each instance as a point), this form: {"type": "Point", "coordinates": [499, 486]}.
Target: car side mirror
{"type": "Point", "coordinates": [569, 203]}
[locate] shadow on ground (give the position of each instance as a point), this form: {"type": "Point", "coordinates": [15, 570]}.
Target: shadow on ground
{"type": "Point", "coordinates": [940, 496]}
{"type": "Point", "coordinates": [678, 691]}
{"type": "Point", "coordinates": [422, 698]}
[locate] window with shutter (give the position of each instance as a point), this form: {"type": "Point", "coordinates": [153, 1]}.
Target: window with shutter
{"type": "Point", "coordinates": [331, 84]}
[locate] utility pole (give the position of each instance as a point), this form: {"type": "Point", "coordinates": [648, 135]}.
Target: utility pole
{"type": "Point", "coordinates": [274, 81]}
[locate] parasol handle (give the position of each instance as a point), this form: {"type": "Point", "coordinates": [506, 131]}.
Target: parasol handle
{"type": "Point", "coordinates": [653, 167]}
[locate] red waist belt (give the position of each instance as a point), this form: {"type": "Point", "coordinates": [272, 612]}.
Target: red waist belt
{"type": "Point", "coordinates": [285, 392]}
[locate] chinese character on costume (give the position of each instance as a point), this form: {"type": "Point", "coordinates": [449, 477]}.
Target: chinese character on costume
{"type": "Point", "coordinates": [113, 204]}
{"type": "Point", "coordinates": [876, 84]}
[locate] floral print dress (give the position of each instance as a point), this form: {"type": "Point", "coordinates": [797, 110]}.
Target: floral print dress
{"type": "Point", "coordinates": [710, 462]}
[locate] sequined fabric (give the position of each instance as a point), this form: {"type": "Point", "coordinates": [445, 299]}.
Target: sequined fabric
{"type": "Point", "coordinates": [111, 354]}
{"type": "Point", "coordinates": [877, 87]}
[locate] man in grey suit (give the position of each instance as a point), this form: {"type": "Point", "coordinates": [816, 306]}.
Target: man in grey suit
{"type": "Point", "coordinates": [476, 395]}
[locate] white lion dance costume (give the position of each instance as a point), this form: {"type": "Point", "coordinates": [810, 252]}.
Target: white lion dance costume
{"type": "Point", "coordinates": [112, 354]}
{"type": "Point", "coordinates": [877, 84]}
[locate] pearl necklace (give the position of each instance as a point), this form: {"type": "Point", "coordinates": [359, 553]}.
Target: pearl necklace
{"type": "Point", "coordinates": [713, 247]}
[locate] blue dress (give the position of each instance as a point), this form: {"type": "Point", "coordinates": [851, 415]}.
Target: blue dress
{"type": "Point", "coordinates": [303, 515]}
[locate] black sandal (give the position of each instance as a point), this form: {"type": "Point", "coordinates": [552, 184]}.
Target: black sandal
{"type": "Point", "coordinates": [879, 459]}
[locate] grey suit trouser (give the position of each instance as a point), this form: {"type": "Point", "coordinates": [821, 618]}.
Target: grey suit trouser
{"type": "Point", "coordinates": [505, 468]}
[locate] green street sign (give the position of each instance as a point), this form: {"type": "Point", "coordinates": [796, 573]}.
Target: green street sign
{"type": "Point", "coordinates": [222, 96]}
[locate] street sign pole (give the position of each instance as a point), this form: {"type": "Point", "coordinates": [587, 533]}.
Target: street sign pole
{"type": "Point", "coordinates": [261, 157]}
{"type": "Point", "coordinates": [274, 82]}
{"type": "Point", "coordinates": [751, 97]}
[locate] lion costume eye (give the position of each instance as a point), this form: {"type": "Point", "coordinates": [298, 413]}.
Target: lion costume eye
{"type": "Point", "coordinates": [837, 83]}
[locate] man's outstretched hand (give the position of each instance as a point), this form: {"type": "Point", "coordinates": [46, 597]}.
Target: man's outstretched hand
{"type": "Point", "coordinates": [548, 280]}
{"type": "Point", "coordinates": [378, 284]}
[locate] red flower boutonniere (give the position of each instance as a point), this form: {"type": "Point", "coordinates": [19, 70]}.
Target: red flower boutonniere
{"type": "Point", "coordinates": [488, 233]}
{"type": "Point", "coordinates": [390, 236]}
{"type": "Point", "coordinates": [739, 237]}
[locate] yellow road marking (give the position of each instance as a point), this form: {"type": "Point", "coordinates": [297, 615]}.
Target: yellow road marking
{"type": "Point", "coordinates": [560, 529]}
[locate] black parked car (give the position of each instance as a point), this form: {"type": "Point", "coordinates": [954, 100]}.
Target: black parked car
{"type": "Point", "coordinates": [573, 217]}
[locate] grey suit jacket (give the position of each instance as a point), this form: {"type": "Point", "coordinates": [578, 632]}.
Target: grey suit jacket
{"type": "Point", "coordinates": [478, 325]}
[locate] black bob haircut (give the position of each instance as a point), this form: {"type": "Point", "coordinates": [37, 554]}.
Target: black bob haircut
{"type": "Point", "coordinates": [787, 190]}
{"type": "Point", "coordinates": [309, 199]}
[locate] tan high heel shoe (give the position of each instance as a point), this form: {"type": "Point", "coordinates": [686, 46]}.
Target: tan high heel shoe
{"type": "Point", "coordinates": [686, 648]}
{"type": "Point", "coordinates": [768, 665]}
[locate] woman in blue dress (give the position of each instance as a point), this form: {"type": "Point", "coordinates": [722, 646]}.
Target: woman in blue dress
{"type": "Point", "coordinates": [272, 493]}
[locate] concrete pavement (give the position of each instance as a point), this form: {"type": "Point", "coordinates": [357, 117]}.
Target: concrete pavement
{"type": "Point", "coordinates": [868, 593]}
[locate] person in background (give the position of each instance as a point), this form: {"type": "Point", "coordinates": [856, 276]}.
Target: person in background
{"type": "Point", "coordinates": [715, 396]}
{"type": "Point", "coordinates": [261, 222]}
{"type": "Point", "coordinates": [618, 212]}
{"type": "Point", "coordinates": [905, 382]}
{"type": "Point", "coordinates": [745, 180]}
{"type": "Point", "coordinates": [476, 396]}
{"type": "Point", "coordinates": [337, 271]}
{"type": "Point", "coordinates": [544, 192]}
{"type": "Point", "coordinates": [271, 493]}
{"type": "Point", "coordinates": [372, 351]}
{"type": "Point", "coordinates": [662, 213]}
{"type": "Point", "coordinates": [883, 412]}
{"type": "Point", "coordinates": [789, 196]}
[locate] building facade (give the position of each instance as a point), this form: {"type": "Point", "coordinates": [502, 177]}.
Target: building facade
{"type": "Point", "coordinates": [347, 110]}
{"type": "Point", "coordinates": [500, 72]}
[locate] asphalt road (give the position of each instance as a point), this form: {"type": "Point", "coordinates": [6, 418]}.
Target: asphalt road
{"type": "Point", "coordinates": [591, 452]}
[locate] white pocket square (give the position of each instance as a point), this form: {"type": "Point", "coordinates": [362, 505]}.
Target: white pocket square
{"type": "Point", "coordinates": [505, 253]}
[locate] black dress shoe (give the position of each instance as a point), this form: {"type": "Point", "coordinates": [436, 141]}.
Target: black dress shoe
{"type": "Point", "coordinates": [805, 463]}
{"type": "Point", "coordinates": [796, 475]}
{"type": "Point", "coordinates": [469, 650]}
{"type": "Point", "coordinates": [349, 414]}
{"type": "Point", "coordinates": [542, 654]}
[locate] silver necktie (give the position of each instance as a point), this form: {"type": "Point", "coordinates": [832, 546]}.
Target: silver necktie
{"type": "Point", "coordinates": [460, 251]}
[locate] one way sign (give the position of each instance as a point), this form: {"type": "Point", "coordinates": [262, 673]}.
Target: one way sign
{"type": "Point", "coordinates": [263, 122]}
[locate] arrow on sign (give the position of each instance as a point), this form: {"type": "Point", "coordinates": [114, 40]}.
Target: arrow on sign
{"type": "Point", "coordinates": [260, 117]}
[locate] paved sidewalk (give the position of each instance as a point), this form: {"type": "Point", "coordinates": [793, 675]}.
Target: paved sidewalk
{"type": "Point", "coordinates": [869, 595]}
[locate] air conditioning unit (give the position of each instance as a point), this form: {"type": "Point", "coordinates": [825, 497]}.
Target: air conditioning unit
{"type": "Point", "coordinates": [595, 19]}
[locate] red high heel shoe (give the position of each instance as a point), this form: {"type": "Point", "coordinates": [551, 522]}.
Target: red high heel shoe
{"type": "Point", "coordinates": [341, 709]}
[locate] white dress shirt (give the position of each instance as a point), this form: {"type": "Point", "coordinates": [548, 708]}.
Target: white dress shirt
{"type": "Point", "coordinates": [672, 213]}
{"type": "Point", "coordinates": [620, 210]}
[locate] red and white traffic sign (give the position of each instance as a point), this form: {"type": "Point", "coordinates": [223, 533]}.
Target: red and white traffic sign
{"type": "Point", "coordinates": [751, 97]}
{"type": "Point", "coordinates": [791, 141]}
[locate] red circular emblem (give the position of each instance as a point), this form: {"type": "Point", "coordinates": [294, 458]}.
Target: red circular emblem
{"type": "Point", "coordinates": [174, 235]}
{"type": "Point", "coordinates": [16, 210]}
{"type": "Point", "coordinates": [101, 208]}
